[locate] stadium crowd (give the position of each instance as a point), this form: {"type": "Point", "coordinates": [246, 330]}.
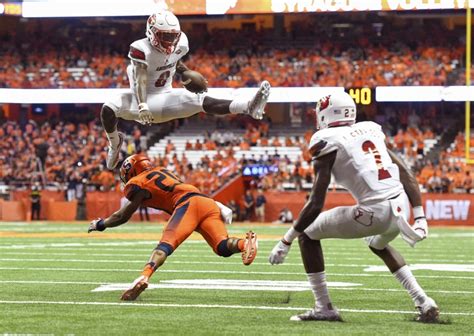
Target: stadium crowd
{"type": "Point", "coordinates": [88, 56]}
{"type": "Point", "coordinates": [71, 154]}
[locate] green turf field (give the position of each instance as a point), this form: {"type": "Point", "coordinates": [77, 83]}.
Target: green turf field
{"type": "Point", "coordinates": [51, 274]}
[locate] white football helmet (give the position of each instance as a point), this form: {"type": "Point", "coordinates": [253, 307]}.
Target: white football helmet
{"type": "Point", "coordinates": [163, 31]}
{"type": "Point", "coordinates": [335, 110]}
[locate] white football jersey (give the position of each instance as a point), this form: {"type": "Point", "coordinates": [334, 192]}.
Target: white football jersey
{"type": "Point", "coordinates": [363, 165]}
{"type": "Point", "coordinates": [161, 67]}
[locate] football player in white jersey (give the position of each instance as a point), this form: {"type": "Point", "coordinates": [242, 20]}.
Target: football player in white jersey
{"type": "Point", "coordinates": [154, 61]}
{"type": "Point", "coordinates": [384, 188]}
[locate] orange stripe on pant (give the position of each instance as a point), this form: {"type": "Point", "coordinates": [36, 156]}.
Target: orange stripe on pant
{"type": "Point", "coordinates": [200, 214]}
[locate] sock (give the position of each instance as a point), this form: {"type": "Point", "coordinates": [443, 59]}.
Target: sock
{"type": "Point", "coordinates": [241, 244]}
{"type": "Point", "coordinates": [320, 290]}
{"type": "Point", "coordinates": [408, 281]}
{"type": "Point", "coordinates": [113, 138]}
{"type": "Point", "coordinates": [238, 106]}
{"type": "Point", "coordinates": [149, 269]}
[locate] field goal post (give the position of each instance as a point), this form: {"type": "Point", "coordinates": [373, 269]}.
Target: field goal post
{"type": "Point", "coordinates": [467, 132]}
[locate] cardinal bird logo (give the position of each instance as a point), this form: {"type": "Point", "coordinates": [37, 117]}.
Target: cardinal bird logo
{"type": "Point", "coordinates": [323, 103]}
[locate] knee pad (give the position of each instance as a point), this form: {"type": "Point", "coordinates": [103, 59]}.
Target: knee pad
{"type": "Point", "coordinates": [223, 250]}
{"type": "Point", "coordinates": [166, 248]}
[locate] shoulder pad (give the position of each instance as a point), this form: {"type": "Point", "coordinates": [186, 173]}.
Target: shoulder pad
{"type": "Point", "coordinates": [131, 188]}
{"type": "Point", "coordinates": [370, 124]}
{"type": "Point", "coordinates": [136, 52]}
{"type": "Point", "coordinates": [321, 144]}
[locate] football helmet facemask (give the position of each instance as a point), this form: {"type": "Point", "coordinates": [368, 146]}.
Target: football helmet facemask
{"type": "Point", "coordinates": [134, 165]}
{"type": "Point", "coordinates": [337, 109]}
{"type": "Point", "coordinates": [163, 31]}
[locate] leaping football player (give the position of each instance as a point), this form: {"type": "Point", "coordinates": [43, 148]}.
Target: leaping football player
{"type": "Point", "coordinates": [190, 211]}
{"type": "Point", "coordinates": [384, 188]}
{"type": "Point", "coordinates": [151, 99]}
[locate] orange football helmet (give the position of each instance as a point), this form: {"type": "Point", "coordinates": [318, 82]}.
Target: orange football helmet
{"type": "Point", "coordinates": [134, 165]}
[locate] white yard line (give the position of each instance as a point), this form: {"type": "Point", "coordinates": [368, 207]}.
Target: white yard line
{"type": "Point", "coordinates": [440, 267]}
{"type": "Point", "coordinates": [207, 251]}
{"type": "Point", "coordinates": [207, 306]}
{"type": "Point", "coordinates": [185, 262]}
{"type": "Point", "coordinates": [52, 282]}
{"type": "Point", "coordinates": [114, 270]}
{"type": "Point", "coordinates": [213, 256]}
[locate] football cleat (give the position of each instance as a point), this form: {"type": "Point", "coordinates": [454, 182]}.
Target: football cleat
{"type": "Point", "coordinates": [250, 248]}
{"type": "Point", "coordinates": [428, 311]}
{"type": "Point", "coordinates": [113, 153]}
{"type": "Point", "coordinates": [138, 286]}
{"type": "Point", "coordinates": [258, 102]}
{"type": "Point", "coordinates": [318, 314]}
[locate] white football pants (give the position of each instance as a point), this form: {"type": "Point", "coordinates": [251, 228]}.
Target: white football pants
{"type": "Point", "coordinates": [164, 106]}
{"type": "Point", "coordinates": [377, 223]}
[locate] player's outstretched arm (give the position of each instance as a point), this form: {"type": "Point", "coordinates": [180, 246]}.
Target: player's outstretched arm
{"type": "Point", "coordinates": [121, 216]}
{"type": "Point", "coordinates": [322, 169]}
{"type": "Point", "coordinates": [410, 184]}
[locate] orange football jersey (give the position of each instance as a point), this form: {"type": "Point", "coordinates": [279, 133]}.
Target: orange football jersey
{"type": "Point", "coordinates": [164, 187]}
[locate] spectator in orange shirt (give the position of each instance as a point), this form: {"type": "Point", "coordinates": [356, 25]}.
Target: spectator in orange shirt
{"type": "Point", "coordinates": [198, 145]}
{"type": "Point", "coordinates": [276, 142]}
{"type": "Point", "coordinates": [169, 147]}
{"type": "Point", "coordinates": [188, 145]}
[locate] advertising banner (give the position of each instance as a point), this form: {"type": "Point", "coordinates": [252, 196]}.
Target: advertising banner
{"type": "Point", "coordinates": [55, 8]}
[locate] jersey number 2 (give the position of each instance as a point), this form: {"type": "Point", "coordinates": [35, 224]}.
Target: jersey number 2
{"type": "Point", "coordinates": [162, 175]}
{"type": "Point", "coordinates": [369, 148]}
{"type": "Point", "coordinates": [161, 81]}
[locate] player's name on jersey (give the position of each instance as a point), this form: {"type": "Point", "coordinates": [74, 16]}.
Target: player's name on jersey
{"type": "Point", "coordinates": [164, 67]}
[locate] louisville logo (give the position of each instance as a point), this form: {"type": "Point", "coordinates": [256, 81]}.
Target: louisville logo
{"type": "Point", "coordinates": [323, 103]}
{"type": "Point", "coordinates": [152, 20]}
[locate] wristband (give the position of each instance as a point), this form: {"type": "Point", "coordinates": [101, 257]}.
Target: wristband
{"type": "Point", "coordinates": [142, 106]}
{"type": "Point", "coordinates": [100, 225]}
{"type": "Point", "coordinates": [289, 236]}
{"type": "Point", "coordinates": [418, 212]}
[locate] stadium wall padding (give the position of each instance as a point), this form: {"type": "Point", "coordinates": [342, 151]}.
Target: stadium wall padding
{"type": "Point", "coordinates": [234, 190]}
{"type": "Point", "coordinates": [440, 209]}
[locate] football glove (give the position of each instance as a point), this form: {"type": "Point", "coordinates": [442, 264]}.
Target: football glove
{"type": "Point", "coordinates": [279, 253]}
{"type": "Point", "coordinates": [144, 115]}
{"type": "Point", "coordinates": [96, 225]}
{"type": "Point", "coordinates": [421, 227]}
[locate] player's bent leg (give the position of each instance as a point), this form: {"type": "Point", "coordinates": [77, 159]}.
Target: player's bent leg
{"type": "Point", "coordinates": [157, 258]}
{"type": "Point", "coordinates": [216, 106]}
{"type": "Point", "coordinates": [253, 107]}
{"type": "Point", "coordinates": [428, 311]}
{"type": "Point", "coordinates": [391, 257]}
{"type": "Point", "coordinates": [248, 247]}
{"type": "Point", "coordinates": [175, 104]}
{"type": "Point", "coordinates": [213, 229]}
{"type": "Point", "coordinates": [313, 260]}
{"type": "Point", "coordinates": [229, 246]}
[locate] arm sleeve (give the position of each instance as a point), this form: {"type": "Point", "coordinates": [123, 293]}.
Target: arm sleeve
{"type": "Point", "coordinates": [136, 53]}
